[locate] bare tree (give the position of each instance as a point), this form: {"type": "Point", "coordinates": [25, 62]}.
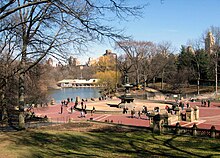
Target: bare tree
{"type": "Point", "coordinates": [124, 65]}
{"type": "Point", "coordinates": [137, 51]}
{"type": "Point", "coordinates": [164, 50]}
{"type": "Point", "coordinates": [7, 80]}
{"type": "Point", "coordinates": [48, 27]}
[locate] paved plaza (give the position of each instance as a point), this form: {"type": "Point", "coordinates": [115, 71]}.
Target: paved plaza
{"type": "Point", "coordinates": [104, 113]}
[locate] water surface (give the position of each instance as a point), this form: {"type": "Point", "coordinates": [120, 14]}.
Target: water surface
{"type": "Point", "coordinates": [64, 93]}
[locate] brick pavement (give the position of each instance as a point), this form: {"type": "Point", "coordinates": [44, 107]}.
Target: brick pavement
{"type": "Point", "coordinates": [208, 115]}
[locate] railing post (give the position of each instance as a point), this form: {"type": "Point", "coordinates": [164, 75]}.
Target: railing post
{"type": "Point", "coordinates": [212, 132]}
{"type": "Point", "coordinates": [194, 130]}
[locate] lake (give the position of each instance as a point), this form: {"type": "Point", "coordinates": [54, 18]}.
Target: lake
{"type": "Point", "coordinates": [82, 92]}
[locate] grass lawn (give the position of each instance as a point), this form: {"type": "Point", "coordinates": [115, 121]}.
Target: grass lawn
{"type": "Point", "coordinates": [99, 140]}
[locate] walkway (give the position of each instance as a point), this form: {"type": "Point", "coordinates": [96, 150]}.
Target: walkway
{"type": "Point", "coordinates": [208, 115]}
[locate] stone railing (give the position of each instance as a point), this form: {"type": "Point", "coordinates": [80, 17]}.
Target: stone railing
{"type": "Point", "coordinates": [193, 131]}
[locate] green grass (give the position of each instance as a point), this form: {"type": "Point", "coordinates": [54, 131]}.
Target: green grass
{"type": "Point", "coordinates": [102, 141]}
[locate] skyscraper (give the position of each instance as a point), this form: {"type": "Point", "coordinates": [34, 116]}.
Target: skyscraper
{"type": "Point", "coordinates": [209, 42]}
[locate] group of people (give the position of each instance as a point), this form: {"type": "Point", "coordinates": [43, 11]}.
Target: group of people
{"type": "Point", "coordinates": [83, 109]}
{"type": "Point", "coordinates": [65, 103]}
{"type": "Point", "coordinates": [125, 110]}
{"type": "Point", "coordinates": [139, 112]}
{"type": "Point", "coordinates": [205, 102]}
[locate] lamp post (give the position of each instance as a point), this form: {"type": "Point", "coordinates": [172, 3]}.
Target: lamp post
{"type": "Point", "coordinates": [216, 74]}
{"type": "Point", "coordinates": [116, 70]}
{"type": "Point", "coordinates": [216, 50]}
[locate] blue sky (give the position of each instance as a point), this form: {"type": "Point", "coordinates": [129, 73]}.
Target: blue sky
{"type": "Point", "coordinates": [176, 21]}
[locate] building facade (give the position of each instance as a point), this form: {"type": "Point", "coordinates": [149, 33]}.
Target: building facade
{"type": "Point", "coordinates": [68, 83]}
{"type": "Point", "coordinates": [209, 43]}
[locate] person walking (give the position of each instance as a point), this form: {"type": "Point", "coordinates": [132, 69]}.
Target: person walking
{"type": "Point", "coordinates": [187, 105]}
{"type": "Point", "coordinates": [92, 111]}
{"type": "Point", "coordinates": [205, 103]}
{"type": "Point", "coordinates": [202, 102]}
{"type": "Point", "coordinates": [132, 113]}
{"type": "Point", "coordinates": [139, 114]}
{"type": "Point", "coordinates": [82, 105]}
{"type": "Point", "coordinates": [71, 109]}
{"type": "Point", "coordinates": [182, 106]}
{"type": "Point", "coordinates": [61, 109]}
{"type": "Point", "coordinates": [209, 103]}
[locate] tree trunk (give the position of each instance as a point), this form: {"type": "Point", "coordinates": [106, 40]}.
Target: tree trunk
{"type": "Point", "coordinates": [137, 77]}
{"type": "Point", "coordinates": [21, 123]}
{"type": "Point", "coordinates": [198, 84]}
{"type": "Point", "coordinates": [145, 80]}
{"type": "Point", "coordinates": [216, 74]}
{"type": "Point", "coordinates": [4, 113]}
{"type": "Point", "coordinates": [162, 79]}
{"type": "Point", "coordinates": [198, 79]}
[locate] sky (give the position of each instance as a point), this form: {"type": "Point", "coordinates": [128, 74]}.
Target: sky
{"type": "Point", "coordinates": [176, 21]}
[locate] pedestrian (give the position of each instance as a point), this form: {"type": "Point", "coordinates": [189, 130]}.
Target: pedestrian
{"type": "Point", "coordinates": [182, 106]}
{"type": "Point", "coordinates": [205, 103]}
{"type": "Point", "coordinates": [71, 109]}
{"type": "Point", "coordinates": [143, 110]}
{"type": "Point", "coordinates": [167, 108]}
{"type": "Point", "coordinates": [132, 113]}
{"type": "Point", "coordinates": [82, 105]}
{"type": "Point", "coordinates": [93, 110]}
{"type": "Point", "coordinates": [82, 113]}
{"type": "Point", "coordinates": [91, 113]}
{"type": "Point", "coordinates": [209, 102]}
{"type": "Point", "coordinates": [61, 109]}
{"type": "Point", "coordinates": [124, 110]}
{"type": "Point", "coordinates": [139, 114]}
{"type": "Point", "coordinates": [187, 105]}
{"type": "Point", "coordinates": [202, 102]}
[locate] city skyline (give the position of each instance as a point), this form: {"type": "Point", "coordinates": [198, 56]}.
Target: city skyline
{"type": "Point", "coordinates": [174, 21]}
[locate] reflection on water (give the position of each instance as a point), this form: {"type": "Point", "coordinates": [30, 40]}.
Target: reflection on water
{"type": "Point", "coordinates": [64, 93]}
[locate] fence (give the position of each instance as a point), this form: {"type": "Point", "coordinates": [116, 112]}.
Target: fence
{"type": "Point", "coordinates": [48, 121]}
{"type": "Point", "coordinates": [40, 122]}
{"type": "Point", "coordinates": [193, 131]}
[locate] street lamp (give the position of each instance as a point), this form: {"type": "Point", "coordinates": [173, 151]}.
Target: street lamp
{"type": "Point", "coordinates": [216, 72]}
{"type": "Point", "coordinates": [216, 50]}
{"type": "Point", "coordinates": [116, 69]}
